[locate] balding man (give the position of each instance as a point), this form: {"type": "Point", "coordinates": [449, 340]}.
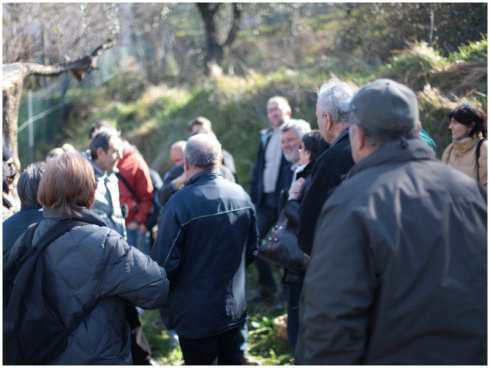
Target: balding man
{"type": "Point", "coordinates": [398, 269]}
{"type": "Point", "coordinates": [204, 125]}
{"type": "Point", "coordinates": [209, 235]}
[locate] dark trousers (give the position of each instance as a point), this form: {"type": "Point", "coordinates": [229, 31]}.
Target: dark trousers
{"type": "Point", "coordinates": [294, 289]}
{"type": "Point", "coordinates": [223, 349]}
{"type": "Point", "coordinates": [267, 215]}
{"type": "Point", "coordinates": [140, 348]}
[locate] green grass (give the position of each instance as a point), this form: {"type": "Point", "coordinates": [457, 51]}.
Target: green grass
{"type": "Point", "coordinates": [157, 116]}
{"type": "Point", "coordinates": [264, 347]}
{"type": "Point", "coordinates": [474, 52]}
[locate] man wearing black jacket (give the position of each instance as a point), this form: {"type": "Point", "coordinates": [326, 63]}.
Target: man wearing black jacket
{"type": "Point", "coordinates": [399, 267]}
{"type": "Point", "coordinates": [330, 168]}
{"type": "Point", "coordinates": [209, 237]}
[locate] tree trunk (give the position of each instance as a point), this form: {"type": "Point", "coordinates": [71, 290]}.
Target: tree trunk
{"type": "Point", "coordinates": [13, 82]}
{"type": "Point", "coordinates": [214, 49]}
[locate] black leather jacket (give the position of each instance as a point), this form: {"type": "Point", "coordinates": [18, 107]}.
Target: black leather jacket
{"type": "Point", "coordinates": [327, 173]}
{"type": "Point", "coordinates": [207, 234]}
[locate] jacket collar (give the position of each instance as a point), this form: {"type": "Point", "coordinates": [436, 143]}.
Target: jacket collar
{"type": "Point", "coordinates": [343, 135]}
{"type": "Point", "coordinates": [203, 176]}
{"type": "Point", "coordinates": [81, 214]}
{"type": "Point", "coordinates": [402, 150]}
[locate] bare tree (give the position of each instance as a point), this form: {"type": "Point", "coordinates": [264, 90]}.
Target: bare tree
{"type": "Point", "coordinates": [48, 40]}
{"type": "Point", "coordinates": [214, 48]}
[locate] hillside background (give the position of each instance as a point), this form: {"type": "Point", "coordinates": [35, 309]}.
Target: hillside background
{"type": "Point", "coordinates": [155, 79]}
{"type": "Point", "coordinates": [173, 62]}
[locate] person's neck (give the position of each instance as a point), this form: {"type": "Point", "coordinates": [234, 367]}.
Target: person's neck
{"type": "Point", "coordinates": [463, 140]}
{"type": "Point", "coordinates": [338, 128]}
{"type": "Point", "coordinates": [278, 126]}
{"type": "Point", "coordinates": [100, 167]}
{"type": "Point", "coordinates": [194, 171]}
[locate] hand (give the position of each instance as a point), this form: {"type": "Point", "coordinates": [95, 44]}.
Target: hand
{"type": "Point", "coordinates": [133, 225]}
{"type": "Point", "coordinates": [296, 187]}
{"type": "Point", "coordinates": [180, 181]}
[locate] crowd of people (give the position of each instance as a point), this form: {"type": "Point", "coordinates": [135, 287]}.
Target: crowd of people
{"type": "Point", "coordinates": [393, 240]}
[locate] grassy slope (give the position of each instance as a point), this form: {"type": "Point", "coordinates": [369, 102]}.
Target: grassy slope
{"type": "Point", "coordinates": [158, 115]}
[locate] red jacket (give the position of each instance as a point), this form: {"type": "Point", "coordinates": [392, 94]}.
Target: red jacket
{"type": "Point", "coordinates": [135, 170]}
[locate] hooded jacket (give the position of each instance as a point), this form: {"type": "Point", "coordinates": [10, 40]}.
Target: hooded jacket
{"type": "Point", "coordinates": [94, 263]}
{"type": "Point", "coordinates": [398, 269]}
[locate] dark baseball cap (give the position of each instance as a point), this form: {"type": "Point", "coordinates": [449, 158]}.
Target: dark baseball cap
{"type": "Point", "coordinates": [385, 107]}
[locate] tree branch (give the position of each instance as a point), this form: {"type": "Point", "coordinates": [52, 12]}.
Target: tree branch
{"type": "Point", "coordinates": [79, 67]}
{"type": "Point", "coordinates": [235, 25]}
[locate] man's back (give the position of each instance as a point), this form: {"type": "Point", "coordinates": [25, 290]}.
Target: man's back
{"type": "Point", "coordinates": [398, 266]}
{"type": "Point", "coordinates": [209, 231]}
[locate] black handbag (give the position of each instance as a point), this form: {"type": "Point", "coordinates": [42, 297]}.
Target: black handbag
{"type": "Point", "coordinates": [280, 245]}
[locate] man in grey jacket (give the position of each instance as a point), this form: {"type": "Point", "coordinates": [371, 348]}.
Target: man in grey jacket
{"type": "Point", "coordinates": [397, 274]}
{"type": "Point", "coordinates": [105, 152]}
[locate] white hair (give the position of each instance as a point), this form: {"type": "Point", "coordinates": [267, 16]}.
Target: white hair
{"type": "Point", "coordinates": [203, 150]}
{"type": "Point", "coordinates": [281, 102]}
{"type": "Point", "coordinates": [179, 144]}
{"type": "Point", "coordinates": [334, 97]}
{"type": "Point", "coordinates": [299, 126]}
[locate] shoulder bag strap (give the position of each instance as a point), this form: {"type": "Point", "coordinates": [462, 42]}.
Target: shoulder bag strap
{"type": "Point", "coordinates": [127, 185]}
{"type": "Point", "coordinates": [477, 154]}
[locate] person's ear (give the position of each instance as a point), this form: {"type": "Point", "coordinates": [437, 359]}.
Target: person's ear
{"type": "Point", "coordinates": [91, 200]}
{"type": "Point", "coordinates": [357, 140]}
{"type": "Point", "coordinates": [328, 121]}
{"type": "Point", "coordinates": [98, 152]}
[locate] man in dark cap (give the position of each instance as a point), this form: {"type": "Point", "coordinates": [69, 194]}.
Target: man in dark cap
{"type": "Point", "coordinates": [398, 268]}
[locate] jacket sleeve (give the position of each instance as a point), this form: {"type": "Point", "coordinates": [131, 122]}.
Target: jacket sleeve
{"type": "Point", "coordinates": [165, 192]}
{"type": "Point", "coordinates": [482, 164]}
{"type": "Point", "coordinates": [253, 237]}
{"type": "Point", "coordinates": [338, 292]}
{"type": "Point", "coordinates": [130, 274]}
{"type": "Point", "coordinates": [144, 190]}
{"type": "Point", "coordinates": [167, 248]}
{"type": "Point", "coordinates": [327, 175]}
{"type": "Point", "coordinates": [445, 154]}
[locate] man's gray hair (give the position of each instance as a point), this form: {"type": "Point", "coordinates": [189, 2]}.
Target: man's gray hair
{"type": "Point", "coordinates": [281, 102]}
{"type": "Point", "coordinates": [203, 151]}
{"type": "Point", "coordinates": [299, 126]}
{"type": "Point", "coordinates": [334, 97]}
{"type": "Point", "coordinates": [179, 144]}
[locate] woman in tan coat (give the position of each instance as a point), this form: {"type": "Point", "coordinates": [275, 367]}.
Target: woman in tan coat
{"type": "Point", "coordinates": [468, 151]}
